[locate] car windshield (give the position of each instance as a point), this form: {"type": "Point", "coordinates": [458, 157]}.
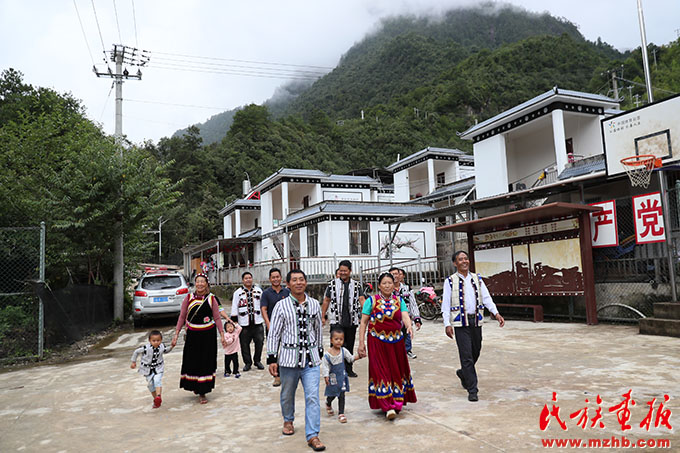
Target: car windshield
{"type": "Point", "coordinates": [161, 282]}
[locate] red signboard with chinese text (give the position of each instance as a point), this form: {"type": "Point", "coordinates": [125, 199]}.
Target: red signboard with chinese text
{"type": "Point", "coordinates": [604, 230]}
{"type": "Point", "coordinates": [648, 218]}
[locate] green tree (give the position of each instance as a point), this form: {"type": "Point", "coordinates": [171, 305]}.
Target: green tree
{"type": "Point", "coordinates": [62, 169]}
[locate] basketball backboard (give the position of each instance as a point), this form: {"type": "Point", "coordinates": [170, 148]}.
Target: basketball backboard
{"type": "Point", "coordinates": [651, 129]}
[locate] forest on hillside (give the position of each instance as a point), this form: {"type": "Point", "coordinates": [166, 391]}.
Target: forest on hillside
{"type": "Point", "coordinates": [418, 81]}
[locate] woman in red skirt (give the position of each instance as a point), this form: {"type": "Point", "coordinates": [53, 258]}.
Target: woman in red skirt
{"type": "Point", "coordinates": [390, 385]}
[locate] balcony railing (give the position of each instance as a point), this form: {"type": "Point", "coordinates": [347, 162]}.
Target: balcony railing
{"type": "Point", "coordinates": [538, 178]}
{"type": "Point", "coordinates": [322, 269]}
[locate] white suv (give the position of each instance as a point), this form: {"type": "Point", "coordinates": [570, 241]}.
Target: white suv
{"type": "Point", "coordinates": [159, 293]}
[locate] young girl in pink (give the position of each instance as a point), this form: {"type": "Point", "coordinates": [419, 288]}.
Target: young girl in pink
{"type": "Point", "coordinates": [231, 335]}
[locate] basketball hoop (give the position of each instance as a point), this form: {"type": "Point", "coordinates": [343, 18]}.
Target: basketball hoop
{"type": "Point", "coordinates": [639, 168]}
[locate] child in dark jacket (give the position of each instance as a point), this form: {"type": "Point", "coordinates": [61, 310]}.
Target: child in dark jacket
{"type": "Point", "coordinates": [152, 364]}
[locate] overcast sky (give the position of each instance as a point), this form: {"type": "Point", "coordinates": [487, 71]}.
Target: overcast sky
{"type": "Point", "coordinates": [44, 40]}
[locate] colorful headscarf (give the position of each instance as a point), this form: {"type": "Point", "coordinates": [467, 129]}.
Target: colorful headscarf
{"type": "Point", "coordinates": [205, 276]}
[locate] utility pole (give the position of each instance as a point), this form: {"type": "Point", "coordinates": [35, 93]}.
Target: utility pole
{"type": "Point", "coordinates": [121, 55]}
{"type": "Point", "coordinates": [160, 236]}
{"type": "Point", "coordinates": [615, 85]}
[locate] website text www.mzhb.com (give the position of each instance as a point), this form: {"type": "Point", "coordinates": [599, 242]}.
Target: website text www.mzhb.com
{"type": "Point", "coordinates": [613, 442]}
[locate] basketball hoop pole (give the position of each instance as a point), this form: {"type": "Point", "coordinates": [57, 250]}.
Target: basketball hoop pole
{"type": "Point", "coordinates": [645, 57]}
{"type": "Point", "coordinates": [662, 177]}
{"type": "Point", "coordinates": [669, 235]}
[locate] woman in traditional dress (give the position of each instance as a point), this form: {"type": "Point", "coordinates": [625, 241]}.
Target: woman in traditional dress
{"type": "Point", "coordinates": [201, 316]}
{"type": "Point", "coordinates": [390, 385]}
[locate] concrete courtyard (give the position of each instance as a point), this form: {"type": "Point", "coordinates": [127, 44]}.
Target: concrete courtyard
{"type": "Point", "coordinates": [99, 404]}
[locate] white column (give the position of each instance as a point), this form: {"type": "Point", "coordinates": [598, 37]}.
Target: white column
{"type": "Point", "coordinates": [266, 212]}
{"type": "Point", "coordinates": [237, 222]}
{"type": "Point", "coordinates": [227, 226]}
{"type": "Point", "coordinates": [559, 140]}
{"type": "Point", "coordinates": [318, 194]}
{"type": "Point", "coordinates": [491, 167]}
{"type": "Point", "coordinates": [284, 200]}
{"type": "Point", "coordinates": [431, 177]}
{"type": "Point", "coordinates": [286, 247]}
{"type": "Point", "coordinates": [402, 192]}
{"type": "Point", "coordinates": [304, 247]}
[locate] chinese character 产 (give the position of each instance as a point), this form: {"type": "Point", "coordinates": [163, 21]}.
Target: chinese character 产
{"type": "Point", "coordinates": [601, 219]}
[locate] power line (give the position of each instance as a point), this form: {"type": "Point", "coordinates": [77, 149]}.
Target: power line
{"type": "Point", "coordinates": [83, 30]}
{"type": "Point", "coordinates": [241, 73]}
{"type": "Point", "coordinates": [106, 102]}
{"type": "Point", "coordinates": [115, 12]}
{"type": "Point", "coordinates": [643, 85]}
{"type": "Point", "coordinates": [178, 105]}
{"type": "Point", "coordinates": [208, 65]}
{"type": "Point", "coordinates": [241, 61]}
{"type": "Point", "coordinates": [134, 21]}
{"type": "Point", "coordinates": [100, 32]}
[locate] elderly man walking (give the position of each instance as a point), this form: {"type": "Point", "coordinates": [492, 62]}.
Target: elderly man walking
{"type": "Point", "coordinates": [463, 302]}
{"type": "Point", "coordinates": [345, 298]}
{"type": "Point", "coordinates": [294, 352]}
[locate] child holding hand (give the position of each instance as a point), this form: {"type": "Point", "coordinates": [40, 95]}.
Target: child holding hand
{"type": "Point", "coordinates": [334, 373]}
{"type": "Point", "coordinates": [231, 336]}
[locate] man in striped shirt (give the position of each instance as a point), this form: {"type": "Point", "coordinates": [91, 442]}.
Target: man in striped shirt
{"type": "Point", "coordinates": [294, 352]}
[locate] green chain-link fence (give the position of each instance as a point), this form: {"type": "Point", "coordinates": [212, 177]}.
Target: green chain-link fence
{"type": "Point", "coordinates": [21, 265]}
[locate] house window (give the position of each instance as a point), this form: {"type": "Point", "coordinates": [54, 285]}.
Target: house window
{"type": "Point", "coordinates": [441, 179]}
{"type": "Point", "coordinates": [251, 253]}
{"type": "Point", "coordinates": [305, 201]}
{"type": "Point", "coordinates": [313, 240]}
{"type": "Point", "coordinates": [256, 223]}
{"type": "Point", "coordinates": [359, 237]}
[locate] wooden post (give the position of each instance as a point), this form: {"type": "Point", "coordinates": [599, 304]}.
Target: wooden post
{"type": "Point", "coordinates": [587, 268]}
{"type": "Point", "coordinates": [471, 250]}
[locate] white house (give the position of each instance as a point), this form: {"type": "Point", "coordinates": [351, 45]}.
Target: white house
{"type": "Point", "coordinates": [311, 219]}
{"type": "Point", "coordinates": [539, 142]}
{"type": "Point", "coordinates": [425, 171]}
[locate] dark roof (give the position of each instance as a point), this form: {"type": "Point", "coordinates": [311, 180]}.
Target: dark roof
{"type": "Point", "coordinates": [255, 233]}
{"type": "Point", "coordinates": [584, 167]}
{"type": "Point", "coordinates": [314, 174]}
{"type": "Point", "coordinates": [357, 207]}
{"type": "Point", "coordinates": [459, 187]}
{"type": "Point", "coordinates": [590, 98]}
{"type": "Point", "coordinates": [516, 218]}
{"type": "Point", "coordinates": [240, 204]}
{"type": "Point", "coordinates": [430, 150]}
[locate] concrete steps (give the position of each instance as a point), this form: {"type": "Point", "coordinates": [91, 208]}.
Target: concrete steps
{"type": "Point", "coordinates": [666, 320]}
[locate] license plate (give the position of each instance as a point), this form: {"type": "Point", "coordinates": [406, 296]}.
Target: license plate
{"type": "Point", "coordinates": [160, 299]}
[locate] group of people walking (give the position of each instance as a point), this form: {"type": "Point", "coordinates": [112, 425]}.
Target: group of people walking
{"type": "Point", "coordinates": [294, 322]}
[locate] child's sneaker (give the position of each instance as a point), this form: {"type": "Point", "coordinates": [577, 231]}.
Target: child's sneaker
{"type": "Point", "coordinates": [227, 374]}
{"type": "Point", "coordinates": [237, 375]}
{"type": "Point", "coordinates": [157, 402]}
